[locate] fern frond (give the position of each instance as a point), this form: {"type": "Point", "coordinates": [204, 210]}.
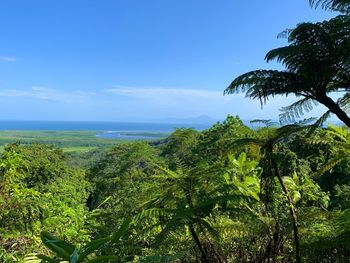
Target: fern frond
{"type": "Point", "coordinates": [296, 110]}
{"type": "Point", "coordinates": [31, 258]}
{"type": "Point", "coordinates": [336, 5]}
{"type": "Point", "coordinates": [46, 259]}
{"type": "Point", "coordinates": [329, 165]}
{"type": "Point", "coordinates": [152, 213]}
{"type": "Point", "coordinates": [343, 222]}
{"type": "Point", "coordinates": [344, 102]}
{"type": "Point", "coordinates": [261, 84]}
{"type": "Point", "coordinates": [267, 123]}
{"type": "Point", "coordinates": [286, 131]}
{"type": "Point", "coordinates": [319, 123]}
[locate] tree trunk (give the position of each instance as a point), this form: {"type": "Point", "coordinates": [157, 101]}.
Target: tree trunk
{"type": "Point", "coordinates": [334, 108]}
{"type": "Point", "coordinates": [195, 237]}
{"type": "Point", "coordinates": [204, 257]}
{"type": "Point", "coordinates": [292, 212]}
{"type": "Point", "coordinates": [276, 241]}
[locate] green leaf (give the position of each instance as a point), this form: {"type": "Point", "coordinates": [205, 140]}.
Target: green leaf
{"type": "Point", "coordinates": [60, 247]}
{"type": "Point", "coordinates": [91, 247]}
{"type": "Point", "coordinates": [296, 196]}
{"type": "Point", "coordinates": [45, 259]}
{"type": "Point", "coordinates": [74, 256]}
{"type": "Point", "coordinates": [122, 230]}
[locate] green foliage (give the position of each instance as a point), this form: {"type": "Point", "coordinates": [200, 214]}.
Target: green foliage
{"type": "Point", "coordinates": [38, 190]}
{"type": "Point", "coordinates": [225, 194]}
{"type": "Point", "coordinates": [65, 251]}
{"type": "Point", "coordinates": [317, 64]}
{"type": "Point", "coordinates": [197, 196]}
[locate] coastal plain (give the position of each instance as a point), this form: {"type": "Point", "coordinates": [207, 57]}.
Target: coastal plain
{"type": "Point", "coordinates": [75, 141]}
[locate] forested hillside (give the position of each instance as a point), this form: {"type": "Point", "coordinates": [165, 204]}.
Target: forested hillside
{"type": "Point", "coordinates": [227, 194]}
{"type": "Point", "coordinates": [230, 193]}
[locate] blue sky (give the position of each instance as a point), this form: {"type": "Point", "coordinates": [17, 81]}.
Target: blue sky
{"type": "Point", "coordinates": [137, 60]}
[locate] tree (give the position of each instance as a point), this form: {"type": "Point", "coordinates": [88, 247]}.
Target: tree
{"type": "Point", "coordinates": [179, 146]}
{"type": "Point", "coordinates": [268, 140]}
{"type": "Point", "coordinates": [336, 5]}
{"type": "Point", "coordinates": [191, 200]}
{"type": "Point", "coordinates": [317, 62]}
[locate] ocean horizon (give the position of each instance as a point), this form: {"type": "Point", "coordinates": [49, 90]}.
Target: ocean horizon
{"type": "Point", "coordinates": [22, 125]}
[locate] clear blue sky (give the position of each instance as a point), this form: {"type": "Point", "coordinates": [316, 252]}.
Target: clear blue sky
{"type": "Point", "coordinates": [137, 60]}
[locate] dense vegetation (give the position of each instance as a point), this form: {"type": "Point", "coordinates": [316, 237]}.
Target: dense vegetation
{"type": "Point", "coordinates": [225, 194]}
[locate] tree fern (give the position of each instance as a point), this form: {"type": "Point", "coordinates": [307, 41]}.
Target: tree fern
{"type": "Point", "coordinates": [317, 64]}
{"type": "Point", "coordinates": [336, 5]}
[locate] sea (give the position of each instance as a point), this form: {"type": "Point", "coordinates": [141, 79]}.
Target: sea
{"type": "Point", "coordinates": [118, 130]}
{"type": "Point", "coordinates": [111, 130]}
{"type": "Point", "coordinates": [95, 126]}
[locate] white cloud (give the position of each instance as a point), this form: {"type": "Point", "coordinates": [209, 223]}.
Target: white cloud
{"type": "Point", "coordinates": [180, 102]}
{"type": "Point", "coordinates": [140, 103]}
{"type": "Point", "coordinates": [44, 93]}
{"type": "Point", "coordinates": [159, 91]}
{"type": "Point", "coordinates": [7, 59]}
{"type": "Point", "coordinates": [169, 96]}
